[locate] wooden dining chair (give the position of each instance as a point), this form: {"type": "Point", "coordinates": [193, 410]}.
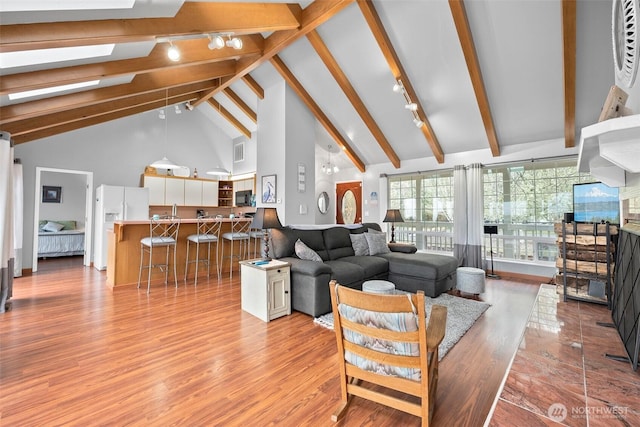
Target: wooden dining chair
{"type": "Point", "coordinates": [384, 340]}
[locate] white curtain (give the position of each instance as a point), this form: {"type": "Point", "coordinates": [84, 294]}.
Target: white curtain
{"type": "Point", "coordinates": [475, 215]}
{"type": "Point", "coordinates": [6, 220]}
{"type": "Point", "coordinates": [468, 214]}
{"type": "Point", "coordinates": [459, 213]}
{"type": "Point", "coordinates": [18, 211]}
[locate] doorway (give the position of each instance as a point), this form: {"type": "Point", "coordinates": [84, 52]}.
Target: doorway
{"type": "Point", "coordinates": [349, 202]}
{"type": "Point", "coordinates": [88, 211]}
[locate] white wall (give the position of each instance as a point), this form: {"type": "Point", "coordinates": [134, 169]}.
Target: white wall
{"type": "Point", "coordinates": [117, 152]}
{"type": "Point", "coordinates": [299, 150]}
{"type": "Point", "coordinates": [270, 144]}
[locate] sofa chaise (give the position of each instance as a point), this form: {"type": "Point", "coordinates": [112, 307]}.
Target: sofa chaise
{"type": "Point", "coordinates": [336, 259]}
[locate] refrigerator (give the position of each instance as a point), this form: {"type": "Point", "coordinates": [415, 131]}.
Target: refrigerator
{"type": "Point", "coordinates": [115, 203]}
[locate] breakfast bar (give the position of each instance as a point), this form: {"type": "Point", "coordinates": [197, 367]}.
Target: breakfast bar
{"type": "Point", "coordinates": [123, 257]}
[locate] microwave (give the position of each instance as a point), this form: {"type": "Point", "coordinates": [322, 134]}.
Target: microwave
{"type": "Point", "coordinates": [243, 198]}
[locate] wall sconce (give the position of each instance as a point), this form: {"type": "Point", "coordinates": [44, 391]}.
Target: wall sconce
{"type": "Point", "coordinates": [410, 105]}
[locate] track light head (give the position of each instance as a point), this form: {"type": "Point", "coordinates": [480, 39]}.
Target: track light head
{"type": "Point", "coordinates": [397, 88]}
{"type": "Point", "coordinates": [215, 42]}
{"type": "Point", "coordinates": [412, 106]}
{"type": "Point", "coordinates": [419, 123]}
{"type": "Point", "coordinates": [235, 43]}
{"type": "Point", "coordinates": [188, 106]}
{"type": "Point", "coordinates": [173, 53]}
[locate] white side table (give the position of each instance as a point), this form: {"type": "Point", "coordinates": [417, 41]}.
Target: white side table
{"type": "Point", "coordinates": [265, 289]}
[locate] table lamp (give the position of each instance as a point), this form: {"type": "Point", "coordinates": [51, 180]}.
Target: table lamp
{"type": "Point", "coordinates": [393, 216]}
{"type": "Point", "coordinates": [266, 219]}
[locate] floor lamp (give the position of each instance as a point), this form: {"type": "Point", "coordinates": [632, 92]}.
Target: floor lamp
{"type": "Point", "coordinates": [491, 230]}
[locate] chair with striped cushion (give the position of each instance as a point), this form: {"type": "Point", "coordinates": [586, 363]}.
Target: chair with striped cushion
{"type": "Point", "coordinates": [384, 340]}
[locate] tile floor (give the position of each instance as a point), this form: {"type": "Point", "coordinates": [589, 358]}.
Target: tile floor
{"type": "Point", "coordinates": [560, 375]}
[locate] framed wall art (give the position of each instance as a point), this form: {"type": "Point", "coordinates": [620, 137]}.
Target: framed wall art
{"type": "Point", "coordinates": [269, 189]}
{"type": "Point", "coordinates": [51, 194]}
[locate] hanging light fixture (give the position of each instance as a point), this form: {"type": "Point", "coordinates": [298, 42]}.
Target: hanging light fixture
{"type": "Point", "coordinates": [173, 53]}
{"type": "Point", "coordinates": [328, 167]}
{"type": "Point", "coordinates": [165, 163]}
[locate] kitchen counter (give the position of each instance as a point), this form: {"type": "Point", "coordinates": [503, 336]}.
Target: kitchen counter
{"type": "Point", "coordinates": [123, 257]}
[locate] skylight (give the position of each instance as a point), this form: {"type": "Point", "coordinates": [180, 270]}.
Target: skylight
{"type": "Point", "coordinates": [41, 5]}
{"type": "Point", "coordinates": [58, 54]}
{"type": "Point", "coordinates": [48, 90]}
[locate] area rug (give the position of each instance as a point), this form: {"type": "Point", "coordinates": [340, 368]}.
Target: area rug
{"type": "Point", "coordinates": [462, 313]}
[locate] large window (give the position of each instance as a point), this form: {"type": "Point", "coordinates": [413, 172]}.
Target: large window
{"type": "Point", "coordinates": [426, 204]}
{"type": "Point", "coordinates": [523, 199]}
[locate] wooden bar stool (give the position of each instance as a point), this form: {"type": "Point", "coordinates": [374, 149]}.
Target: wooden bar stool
{"type": "Point", "coordinates": [163, 234]}
{"type": "Point", "coordinates": [208, 233]}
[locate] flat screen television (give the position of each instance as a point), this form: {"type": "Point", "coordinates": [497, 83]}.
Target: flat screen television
{"type": "Point", "coordinates": [596, 202]}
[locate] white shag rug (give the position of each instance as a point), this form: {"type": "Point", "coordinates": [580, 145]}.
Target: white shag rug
{"type": "Point", "coordinates": [462, 313]}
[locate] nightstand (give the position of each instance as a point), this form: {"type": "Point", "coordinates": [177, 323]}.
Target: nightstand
{"type": "Point", "coordinates": [265, 288]}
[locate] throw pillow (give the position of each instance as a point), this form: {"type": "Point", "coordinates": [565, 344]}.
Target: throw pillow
{"type": "Point", "coordinates": [359, 244]}
{"type": "Point", "coordinates": [52, 226]}
{"type": "Point", "coordinates": [305, 252]}
{"type": "Point", "coordinates": [377, 243]}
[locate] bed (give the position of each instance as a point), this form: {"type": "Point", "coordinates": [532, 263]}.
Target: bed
{"type": "Point", "coordinates": [60, 238]}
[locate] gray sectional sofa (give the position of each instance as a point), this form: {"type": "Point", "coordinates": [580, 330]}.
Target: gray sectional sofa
{"type": "Point", "coordinates": [408, 270]}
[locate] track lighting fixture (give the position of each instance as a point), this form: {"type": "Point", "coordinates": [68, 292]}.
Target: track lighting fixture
{"type": "Point", "coordinates": [188, 106]}
{"type": "Point", "coordinates": [398, 87]}
{"type": "Point", "coordinates": [173, 53]}
{"type": "Point", "coordinates": [235, 43]}
{"type": "Point", "coordinates": [215, 42]}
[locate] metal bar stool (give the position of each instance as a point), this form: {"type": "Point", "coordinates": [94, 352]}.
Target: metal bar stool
{"type": "Point", "coordinates": [208, 233]}
{"type": "Point", "coordinates": [239, 233]}
{"type": "Point", "coordinates": [257, 235]}
{"type": "Point", "coordinates": [163, 234]}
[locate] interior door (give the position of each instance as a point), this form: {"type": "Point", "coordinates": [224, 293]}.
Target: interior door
{"type": "Point", "coordinates": [349, 202]}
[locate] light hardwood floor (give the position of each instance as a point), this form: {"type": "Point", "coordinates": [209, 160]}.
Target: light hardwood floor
{"type": "Point", "coordinates": [75, 353]}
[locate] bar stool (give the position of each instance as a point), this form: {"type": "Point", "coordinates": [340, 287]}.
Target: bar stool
{"type": "Point", "coordinates": [239, 233]}
{"type": "Point", "coordinates": [257, 235]}
{"type": "Point", "coordinates": [208, 232]}
{"type": "Point", "coordinates": [163, 234]}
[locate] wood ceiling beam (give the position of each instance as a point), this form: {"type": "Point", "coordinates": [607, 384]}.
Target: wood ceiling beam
{"type": "Point", "coordinates": [569, 68]}
{"type": "Point", "coordinates": [380, 34]}
{"type": "Point", "coordinates": [156, 99]}
{"type": "Point", "coordinates": [94, 120]}
{"type": "Point", "coordinates": [473, 66]}
{"type": "Point", "coordinates": [141, 84]}
{"type": "Point", "coordinates": [253, 85]}
{"type": "Point", "coordinates": [192, 18]}
{"type": "Point", "coordinates": [239, 102]}
{"type": "Point", "coordinates": [317, 13]}
{"type": "Point", "coordinates": [291, 80]}
{"type": "Point", "coordinates": [230, 117]}
{"type": "Point", "coordinates": [348, 89]}
{"type": "Point", "coordinates": [193, 52]}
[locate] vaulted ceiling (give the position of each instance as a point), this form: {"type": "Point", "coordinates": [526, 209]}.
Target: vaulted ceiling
{"type": "Point", "coordinates": [483, 74]}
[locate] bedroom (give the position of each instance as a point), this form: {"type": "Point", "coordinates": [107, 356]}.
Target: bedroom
{"type": "Point", "coordinates": [62, 201]}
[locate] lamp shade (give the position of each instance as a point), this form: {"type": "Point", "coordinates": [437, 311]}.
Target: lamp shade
{"type": "Point", "coordinates": [164, 163]}
{"type": "Point", "coordinates": [393, 215]}
{"type": "Point", "coordinates": [266, 218]}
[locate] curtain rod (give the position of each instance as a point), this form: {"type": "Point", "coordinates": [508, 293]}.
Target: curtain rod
{"type": "Point", "coordinates": [484, 165]}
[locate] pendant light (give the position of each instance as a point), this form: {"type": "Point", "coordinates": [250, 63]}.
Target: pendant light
{"type": "Point", "coordinates": [165, 163]}
{"type": "Point", "coordinates": [330, 168]}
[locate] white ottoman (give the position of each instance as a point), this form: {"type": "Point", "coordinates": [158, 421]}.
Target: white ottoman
{"type": "Point", "coordinates": [379, 287]}
{"type": "Point", "coordinates": [470, 280]}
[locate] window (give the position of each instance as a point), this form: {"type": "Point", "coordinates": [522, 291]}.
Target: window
{"type": "Point", "coordinates": [523, 199]}
{"type": "Point", "coordinates": [426, 204]}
